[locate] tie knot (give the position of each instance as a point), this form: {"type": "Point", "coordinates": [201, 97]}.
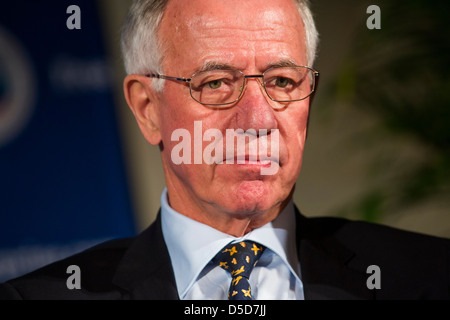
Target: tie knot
{"type": "Point", "coordinates": [239, 258]}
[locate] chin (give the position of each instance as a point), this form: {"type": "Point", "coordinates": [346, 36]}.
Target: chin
{"type": "Point", "coordinates": [251, 197]}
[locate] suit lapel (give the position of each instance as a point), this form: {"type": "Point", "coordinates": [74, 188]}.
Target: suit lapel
{"type": "Point", "coordinates": [326, 265]}
{"type": "Point", "coordinates": [146, 271]}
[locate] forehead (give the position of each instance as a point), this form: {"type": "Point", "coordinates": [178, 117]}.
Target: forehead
{"type": "Point", "coordinates": [241, 33]}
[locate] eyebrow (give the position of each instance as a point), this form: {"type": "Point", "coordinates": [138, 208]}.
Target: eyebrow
{"type": "Point", "coordinates": [214, 65]}
{"type": "Point", "coordinates": [282, 63]}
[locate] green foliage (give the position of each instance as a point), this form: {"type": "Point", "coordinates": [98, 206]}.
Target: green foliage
{"type": "Point", "coordinates": [400, 74]}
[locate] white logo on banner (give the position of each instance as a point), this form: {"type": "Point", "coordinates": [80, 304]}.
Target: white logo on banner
{"type": "Point", "coordinates": [17, 88]}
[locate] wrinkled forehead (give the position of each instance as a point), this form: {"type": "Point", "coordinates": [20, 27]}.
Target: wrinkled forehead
{"type": "Point", "coordinates": [230, 25]}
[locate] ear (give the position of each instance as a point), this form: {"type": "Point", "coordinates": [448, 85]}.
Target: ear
{"type": "Point", "coordinates": [143, 102]}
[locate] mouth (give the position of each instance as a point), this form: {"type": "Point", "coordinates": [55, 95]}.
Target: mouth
{"type": "Point", "coordinates": [251, 160]}
{"type": "Point", "coordinates": [254, 160]}
{"type": "Point", "coordinates": [251, 164]}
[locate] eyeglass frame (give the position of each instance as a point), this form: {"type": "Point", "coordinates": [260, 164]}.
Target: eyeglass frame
{"type": "Point", "coordinates": [245, 77]}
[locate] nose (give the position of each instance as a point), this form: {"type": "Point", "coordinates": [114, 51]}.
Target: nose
{"type": "Point", "coordinates": [253, 110]}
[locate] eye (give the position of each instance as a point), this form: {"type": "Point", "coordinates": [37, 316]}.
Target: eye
{"type": "Point", "coordinates": [282, 82]}
{"type": "Point", "coordinates": [215, 84]}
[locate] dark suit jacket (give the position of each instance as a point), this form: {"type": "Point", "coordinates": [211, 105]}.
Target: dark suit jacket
{"type": "Point", "coordinates": [334, 255]}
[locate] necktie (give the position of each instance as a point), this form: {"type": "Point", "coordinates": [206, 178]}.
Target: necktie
{"type": "Point", "coordinates": [239, 259]}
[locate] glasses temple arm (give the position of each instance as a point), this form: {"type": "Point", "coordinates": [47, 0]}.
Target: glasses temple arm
{"type": "Point", "coordinates": [160, 76]}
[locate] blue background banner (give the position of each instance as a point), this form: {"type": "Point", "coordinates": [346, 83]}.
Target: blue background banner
{"type": "Point", "coordinates": [63, 185]}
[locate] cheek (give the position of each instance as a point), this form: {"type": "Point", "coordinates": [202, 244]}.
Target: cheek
{"type": "Point", "coordinates": [301, 134]}
{"type": "Point", "coordinates": [183, 123]}
{"type": "Point", "coordinates": [301, 125]}
{"type": "Point", "coordinates": [295, 127]}
{"type": "Point", "coordinates": [172, 108]}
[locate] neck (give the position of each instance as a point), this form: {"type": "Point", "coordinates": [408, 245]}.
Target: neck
{"type": "Point", "coordinates": [234, 224]}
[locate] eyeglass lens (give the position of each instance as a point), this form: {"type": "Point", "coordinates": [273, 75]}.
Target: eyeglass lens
{"type": "Point", "coordinates": [282, 84]}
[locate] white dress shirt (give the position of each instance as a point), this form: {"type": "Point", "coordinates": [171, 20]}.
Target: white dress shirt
{"type": "Point", "coordinates": [192, 245]}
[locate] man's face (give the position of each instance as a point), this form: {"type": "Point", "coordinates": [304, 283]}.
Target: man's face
{"type": "Point", "coordinates": [250, 36]}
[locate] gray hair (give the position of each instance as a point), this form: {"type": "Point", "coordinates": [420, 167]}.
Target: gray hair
{"type": "Point", "coordinates": [142, 50]}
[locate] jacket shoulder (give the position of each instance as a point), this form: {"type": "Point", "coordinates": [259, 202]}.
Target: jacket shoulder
{"type": "Point", "coordinates": [372, 237]}
{"type": "Point", "coordinates": [96, 268]}
{"type": "Point", "coordinates": [362, 236]}
{"type": "Point", "coordinates": [411, 265]}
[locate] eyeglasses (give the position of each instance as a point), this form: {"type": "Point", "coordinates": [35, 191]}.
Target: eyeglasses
{"type": "Point", "coordinates": [222, 87]}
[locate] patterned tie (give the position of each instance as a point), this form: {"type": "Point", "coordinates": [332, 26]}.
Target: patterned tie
{"type": "Point", "coordinates": [239, 259]}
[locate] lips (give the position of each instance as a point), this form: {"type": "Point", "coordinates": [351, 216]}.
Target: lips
{"type": "Point", "coordinates": [245, 149]}
{"type": "Point", "coordinates": [252, 160]}
{"type": "Point", "coordinates": [256, 154]}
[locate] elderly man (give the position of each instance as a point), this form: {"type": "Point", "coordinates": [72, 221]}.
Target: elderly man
{"type": "Point", "coordinates": [224, 89]}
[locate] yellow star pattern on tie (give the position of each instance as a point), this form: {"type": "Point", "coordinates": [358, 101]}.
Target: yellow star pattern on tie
{"type": "Point", "coordinates": [239, 259]}
{"type": "Point", "coordinates": [247, 292]}
{"type": "Point", "coordinates": [236, 272]}
{"type": "Point", "coordinates": [256, 248]}
{"type": "Point", "coordinates": [231, 251]}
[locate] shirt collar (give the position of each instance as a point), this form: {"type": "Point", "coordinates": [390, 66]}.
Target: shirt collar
{"type": "Point", "coordinates": [192, 245]}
